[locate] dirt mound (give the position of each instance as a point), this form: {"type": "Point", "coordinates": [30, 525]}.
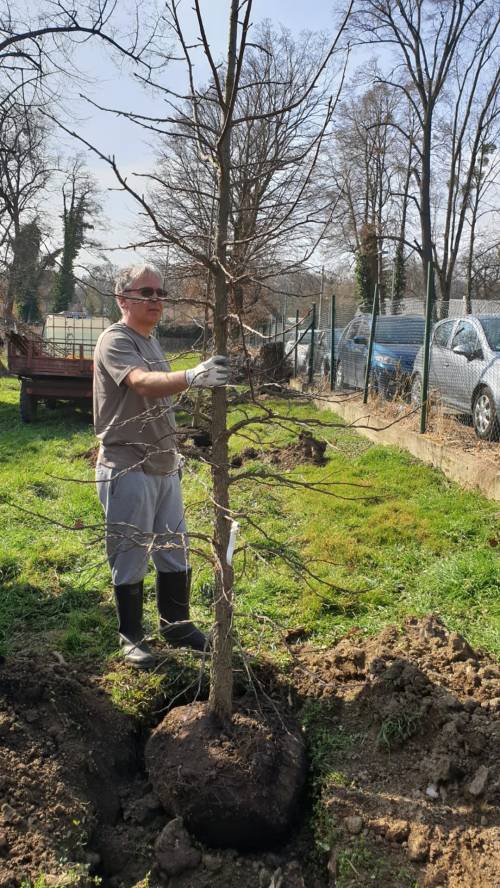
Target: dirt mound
{"type": "Point", "coordinates": [65, 754]}
{"type": "Point", "coordinates": [412, 721]}
{"type": "Point", "coordinates": [307, 449]}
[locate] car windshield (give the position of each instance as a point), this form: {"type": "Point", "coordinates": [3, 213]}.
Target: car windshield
{"type": "Point", "coordinates": [491, 327]}
{"type": "Point", "coordinates": [406, 330]}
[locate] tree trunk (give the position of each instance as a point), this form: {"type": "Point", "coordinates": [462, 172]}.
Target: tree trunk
{"type": "Point", "coordinates": [425, 198]}
{"type": "Point", "coordinates": [221, 683]}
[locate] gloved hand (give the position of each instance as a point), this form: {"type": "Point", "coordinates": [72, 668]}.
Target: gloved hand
{"type": "Point", "coordinates": [210, 373]}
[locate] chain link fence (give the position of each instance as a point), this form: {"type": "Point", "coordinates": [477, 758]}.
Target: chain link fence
{"type": "Point", "coordinates": [445, 372]}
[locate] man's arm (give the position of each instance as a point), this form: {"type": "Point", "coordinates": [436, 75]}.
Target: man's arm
{"type": "Point", "coordinates": [156, 384]}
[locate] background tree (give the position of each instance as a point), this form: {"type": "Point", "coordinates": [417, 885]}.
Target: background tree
{"type": "Point", "coordinates": [80, 208]}
{"type": "Point", "coordinates": [467, 125]}
{"type": "Point", "coordinates": [36, 41]}
{"type": "Point", "coordinates": [484, 178]}
{"type": "Point", "coordinates": [96, 285]}
{"type": "Point", "coordinates": [25, 170]}
{"type": "Point", "coordinates": [364, 160]}
{"type": "Point", "coordinates": [430, 41]}
{"type": "Point", "coordinates": [35, 53]}
{"type": "Point", "coordinates": [277, 204]}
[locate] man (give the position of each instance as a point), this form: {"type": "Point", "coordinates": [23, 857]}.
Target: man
{"type": "Point", "coordinates": [137, 472]}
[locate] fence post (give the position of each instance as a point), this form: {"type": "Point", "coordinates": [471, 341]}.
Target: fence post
{"type": "Point", "coordinates": [370, 344]}
{"type": "Point", "coordinates": [311, 352]}
{"type": "Point", "coordinates": [332, 344]}
{"type": "Point", "coordinates": [429, 305]}
{"type": "Point", "coordinates": [321, 292]}
{"type": "Point", "coordinates": [297, 318]}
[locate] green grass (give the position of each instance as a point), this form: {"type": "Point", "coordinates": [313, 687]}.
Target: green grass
{"type": "Point", "coordinates": [362, 863]}
{"type": "Point", "coordinates": [393, 538]}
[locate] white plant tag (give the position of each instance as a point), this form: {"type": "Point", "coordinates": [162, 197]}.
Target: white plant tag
{"type": "Point", "coordinates": [232, 541]}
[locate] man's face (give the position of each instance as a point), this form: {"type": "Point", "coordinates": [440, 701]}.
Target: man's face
{"type": "Point", "coordinates": [143, 313]}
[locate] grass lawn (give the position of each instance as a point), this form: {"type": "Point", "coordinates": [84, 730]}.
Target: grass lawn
{"type": "Point", "coordinates": [394, 537]}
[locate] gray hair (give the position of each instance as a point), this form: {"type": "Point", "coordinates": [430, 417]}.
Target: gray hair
{"type": "Point", "coordinates": [130, 273]}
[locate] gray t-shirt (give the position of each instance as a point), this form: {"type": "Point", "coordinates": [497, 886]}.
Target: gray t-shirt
{"type": "Point", "coordinates": [134, 431]}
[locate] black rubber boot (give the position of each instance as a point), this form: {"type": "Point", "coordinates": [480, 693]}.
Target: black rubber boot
{"type": "Point", "coordinates": [128, 599]}
{"type": "Point", "coordinates": [172, 599]}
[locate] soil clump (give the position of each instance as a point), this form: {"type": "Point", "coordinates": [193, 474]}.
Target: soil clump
{"type": "Point", "coordinates": [236, 787]}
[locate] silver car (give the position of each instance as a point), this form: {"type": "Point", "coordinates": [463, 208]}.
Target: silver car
{"type": "Point", "coordinates": [464, 370]}
{"type": "Point", "coordinates": [303, 345]}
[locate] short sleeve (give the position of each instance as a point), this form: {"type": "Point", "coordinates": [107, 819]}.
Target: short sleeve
{"type": "Point", "coordinates": [118, 355]}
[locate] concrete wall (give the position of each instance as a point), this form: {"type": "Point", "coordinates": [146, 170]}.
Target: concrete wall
{"type": "Point", "coordinates": [467, 469]}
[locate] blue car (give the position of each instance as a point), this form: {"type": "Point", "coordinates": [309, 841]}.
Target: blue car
{"type": "Point", "coordinates": [397, 340]}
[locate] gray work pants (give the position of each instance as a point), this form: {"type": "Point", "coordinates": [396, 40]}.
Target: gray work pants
{"type": "Point", "coordinates": [144, 518]}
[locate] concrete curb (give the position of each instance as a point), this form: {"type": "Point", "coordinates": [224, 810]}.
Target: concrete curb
{"type": "Point", "coordinates": [467, 470]}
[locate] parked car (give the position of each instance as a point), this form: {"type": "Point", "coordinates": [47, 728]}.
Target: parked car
{"type": "Point", "coordinates": [321, 349]}
{"type": "Point", "coordinates": [464, 370]}
{"type": "Point", "coordinates": [397, 341]}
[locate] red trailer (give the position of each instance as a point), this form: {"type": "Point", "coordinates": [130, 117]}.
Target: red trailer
{"type": "Point", "coordinates": [53, 369]}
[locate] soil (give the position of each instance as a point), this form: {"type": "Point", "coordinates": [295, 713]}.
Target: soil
{"type": "Point", "coordinates": [235, 787]}
{"type": "Point", "coordinates": [414, 717]}
{"type": "Point", "coordinates": [307, 449]}
{"type": "Point", "coordinates": [65, 758]}
{"type": "Point", "coordinates": [407, 729]}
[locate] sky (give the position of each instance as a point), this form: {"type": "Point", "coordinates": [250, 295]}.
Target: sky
{"type": "Point", "coordinates": [112, 85]}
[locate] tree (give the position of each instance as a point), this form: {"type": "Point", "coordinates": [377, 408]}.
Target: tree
{"type": "Point", "coordinates": [466, 132]}
{"type": "Point", "coordinates": [364, 162]}
{"type": "Point", "coordinates": [96, 287]}
{"type": "Point", "coordinates": [35, 52]}
{"type": "Point", "coordinates": [484, 177]}
{"type": "Point", "coordinates": [25, 271]}
{"type": "Point", "coordinates": [80, 206]}
{"type": "Point", "coordinates": [277, 221]}
{"type": "Point", "coordinates": [429, 38]}
{"type": "Point", "coordinates": [25, 169]}
{"type": "Point", "coordinates": [366, 268]}
{"type": "Point", "coordinates": [277, 204]}
{"type": "Point", "coordinates": [34, 48]}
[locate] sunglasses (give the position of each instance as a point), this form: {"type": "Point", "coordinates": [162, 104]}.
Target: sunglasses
{"type": "Point", "coordinates": [147, 293]}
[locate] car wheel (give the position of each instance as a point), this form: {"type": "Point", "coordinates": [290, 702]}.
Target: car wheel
{"type": "Point", "coordinates": [484, 416]}
{"type": "Point", "coordinates": [416, 390]}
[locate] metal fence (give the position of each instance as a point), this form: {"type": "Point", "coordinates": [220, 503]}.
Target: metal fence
{"type": "Point", "coordinates": [437, 368]}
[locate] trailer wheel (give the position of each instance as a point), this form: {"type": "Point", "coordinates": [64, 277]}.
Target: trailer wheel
{"type": "Point", "coordinates": [27, 403]}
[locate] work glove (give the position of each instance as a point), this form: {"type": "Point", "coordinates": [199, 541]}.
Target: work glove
{"type": "Point", "coordinates": [210, 373]}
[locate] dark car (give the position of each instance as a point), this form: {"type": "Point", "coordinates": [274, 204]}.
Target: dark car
{"type": "Point", "coordinates": [464, 370]}
{"type": "Point", "coordinates": [397, 340]}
